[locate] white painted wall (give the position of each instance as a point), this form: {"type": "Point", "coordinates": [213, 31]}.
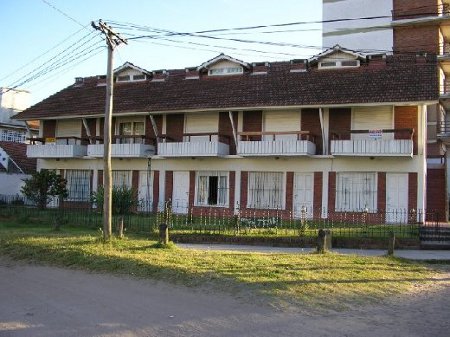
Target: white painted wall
{"type": "Point", "coordinates": [12, 102]}
{"type": "Point", "coordinates": [373, 34]}
{"type": "Point", "coordinates": [10, 184]}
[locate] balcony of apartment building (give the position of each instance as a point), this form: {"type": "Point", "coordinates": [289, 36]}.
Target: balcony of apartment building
{"type": "Point", "coordinates": [374, 143]}
{"type": "Point", "coordinates": [57, 147]}
{"type": "Point", "coordinates": [285, 143]}
{"type": "Point", "coordinates": [123, 146]}
{"type": "Point", "coordinates": [443, 132]}
{"type": "Point", "coordinates": [199, 144]}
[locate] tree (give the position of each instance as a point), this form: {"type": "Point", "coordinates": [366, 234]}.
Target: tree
{"type": "Point", "coordinates": [43, 186]}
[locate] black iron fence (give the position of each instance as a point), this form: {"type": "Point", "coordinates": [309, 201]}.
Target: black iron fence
{"type": "Point", "coordinates": [184, 220]}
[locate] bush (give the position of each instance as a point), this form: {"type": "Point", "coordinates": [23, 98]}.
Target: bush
{"type": "Point", "coordinates": [124, 200]}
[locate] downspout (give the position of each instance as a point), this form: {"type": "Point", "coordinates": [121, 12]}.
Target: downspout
{"type": "Point", "coordinates": [233, 126]}
{"type": "Point", "coordinates": [88, 131]}
{"type": "Point", "coordinates": [322, 128]}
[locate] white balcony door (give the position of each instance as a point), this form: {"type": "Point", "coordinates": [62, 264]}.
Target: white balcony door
{"type": "Point", "coordinates": [303, 194]}
{"type": "Point", "coordinates": [201, 123]}
{"type": "Point", "coordinates": [396, 197]}
{"type": "Point", "coordinates": [371, 118]}
{"type": "Point", "coordinates": [180, 192]}
{"type": "Point", "coordinates": [281, 121]}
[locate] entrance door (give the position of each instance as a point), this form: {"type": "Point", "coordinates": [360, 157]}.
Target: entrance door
{"type": "Point", "coordinates": [180, 193]}
{"type": "Point", "coordinates": [396, 198]}
{"type": "Point", "coordinates": [303, 194]}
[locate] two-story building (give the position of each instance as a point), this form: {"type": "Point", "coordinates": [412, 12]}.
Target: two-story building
{"type": "Point", "coordinates": [339, 132]}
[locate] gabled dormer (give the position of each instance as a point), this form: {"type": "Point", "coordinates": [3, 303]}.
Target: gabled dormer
{"type": "Point", "coordinates": [337, 58]}
{"type": "Point", "coordinates": [223, 65]}
{"type": "Point", "coordinates": [128, 72]}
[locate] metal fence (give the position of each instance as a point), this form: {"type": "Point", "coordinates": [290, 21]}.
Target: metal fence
{"type": "Point", "coordinates": [184, 220]}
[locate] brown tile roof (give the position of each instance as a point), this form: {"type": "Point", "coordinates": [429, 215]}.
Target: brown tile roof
{"type": "Point", "coordinates": [407, 79]}
{"type": "Point", "coordinates": [18, 153]}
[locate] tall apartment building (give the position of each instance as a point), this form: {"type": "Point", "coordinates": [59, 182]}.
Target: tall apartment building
{"type": "Point", "coordinates": [404, 27]}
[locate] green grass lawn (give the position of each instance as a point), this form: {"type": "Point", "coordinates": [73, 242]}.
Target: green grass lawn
{"type": "Point", "coordinates": [304, 280]}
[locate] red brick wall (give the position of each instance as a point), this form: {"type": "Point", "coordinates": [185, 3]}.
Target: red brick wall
{"type": "Point", "coordinates": [406, 117]}
{"type": "Point", "coordinates": [49, 129]}
{"type": "Point", "coordinates": [191, 188]}
{"type": "Point", "coordinates": [311, 122]}
{"type": "Point", "coordinates": [135, 180]}
{"type": "Point", "coordinates": [331, 191]}
{"type": "Point", "coordinates": [149, 131]}
{"type": "Point", "coordinates": [381, 191]}
{"type": "Point", "coordinates": [412, 191]}
{"type": "Point", "coordinates": [169, 185]}
{"type": "Point", "coordinates": [408, 9]}
{"type": "Point", "coordinates": [252, 122]}
{"type": "Point", "coordinates": [155, 190]}
{"type": "Point", "coordinates": [340, 122]}
{"type": "Point", "coordinates": [226, 129]}
{"type": "Point", "coordinates": [244, 189]}
{"type": "Point", "coordinates": [289, 190]}
{"type": "Point", "coordinates": [436, 192]}
{"type": "Point", "coordinates": [317, 197]}
{"type": "Point", "coordinates": [416, 39]}
{"type": "Point", "coordinates": [232, 184]}
{"type": "Point", "coordinates": [175, 127]}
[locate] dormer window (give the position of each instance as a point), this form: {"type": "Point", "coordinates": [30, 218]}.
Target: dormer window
{"type": "Point", "coordinates": [139, 77]}
{"type": "Point", "coordinates": [339, 64]}
{"type": "Point", "coordinates": [225, 71]}
{"type": "Point", "coordinates": [123, 78]}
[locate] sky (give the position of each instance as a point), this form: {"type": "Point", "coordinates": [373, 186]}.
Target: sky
{"type": "Point", "coordinates": [47, 43]}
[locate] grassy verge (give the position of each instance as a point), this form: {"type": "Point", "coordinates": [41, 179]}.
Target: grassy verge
{"type": "Point", "coordinates": [310, 280]}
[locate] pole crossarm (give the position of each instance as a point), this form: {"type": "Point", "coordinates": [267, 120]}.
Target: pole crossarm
{"type": "Point", "coordinates": [112, 38]}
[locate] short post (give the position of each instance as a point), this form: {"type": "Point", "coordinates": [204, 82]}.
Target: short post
{"type": "Point", "coordinates": [163, 234]}
{"type": "Point", "coordinates": [323, 241]}
{"type": "Point", "coordinates": [120, 228]}
{"type": "Point", "coordinates": [391, 244]}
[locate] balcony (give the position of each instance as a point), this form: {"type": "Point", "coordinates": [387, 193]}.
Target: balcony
{"type": "Point", "coordinates": [372, 145]}
{"type": "Point", "coordinates": [443, 132]}
{"type": "Point", "coordinates": [123, 147]}
{"type": "Point", "coordinates": [59, 147]}
{"type": "Point", "coordinates": [256, 144]}
{"type": "Point", "coordinates": [195, 145]}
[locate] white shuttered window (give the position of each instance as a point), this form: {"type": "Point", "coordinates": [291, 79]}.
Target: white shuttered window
{"type": "Point", "coordinates": [356, 191]}
{"type": "Point", "coordinates": [265, 190]}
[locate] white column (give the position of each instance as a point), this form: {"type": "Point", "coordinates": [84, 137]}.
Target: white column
{"type": "Point", "coordinates": [237, 189]}
{"type": "Point", "coordinates": [325, 194]}
{"type": "Point", "coordinates": [162, 189]}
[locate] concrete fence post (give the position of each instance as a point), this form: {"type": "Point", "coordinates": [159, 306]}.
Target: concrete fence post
{"type": "Point", "coordinates": [391, 244]}
{"type": "Point", "coordinates": [323, 241]}
{"type": "Point", "coordinates": [163, 234]}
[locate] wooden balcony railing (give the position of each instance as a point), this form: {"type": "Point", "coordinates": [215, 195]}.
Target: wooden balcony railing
{"type": "Point", "coordinates": [402, 133]}
{"type": "Point", "coordinates": [57, 140]}
{"type": "Point", "coordinates": [125, 139]}
{"type": "Point", "coordinates": [201, 136]}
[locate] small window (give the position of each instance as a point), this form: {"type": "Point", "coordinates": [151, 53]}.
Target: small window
{"type": "Point", "coordinates": [339, 64]}
{"type": "Point", "coordinates": [226, 71]}
{"type": "Point", "coordinates": [138, 77]}
{"type": "Point", "coordinates": [328, 64]}
{"type": "Point", "coordinates": [353, 63]}
{"type": "Point", "coordinates": [123, 78]}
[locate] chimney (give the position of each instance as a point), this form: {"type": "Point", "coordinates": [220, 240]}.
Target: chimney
{"type": "Point", "coordinates": [260, 68]}
{"type": "Point", "coordinates": [298, 66]}
{"type": "Point", "coordinates": [159, 75]}
{"type": "Point", "coordinates": [192, 73]}
{"type": "Point", "coordinates": [79, 80]}
{"type": "Point", "coordinates": [101, 80]}
{"type": "Point", "coordinates": [377, 60]}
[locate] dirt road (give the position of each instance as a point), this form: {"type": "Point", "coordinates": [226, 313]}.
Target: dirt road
{"type": "Point", "coordinates": [47, 301]}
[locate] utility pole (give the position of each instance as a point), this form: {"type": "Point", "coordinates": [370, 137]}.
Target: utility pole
{"type": "Point", "coordinates": [112, 41]}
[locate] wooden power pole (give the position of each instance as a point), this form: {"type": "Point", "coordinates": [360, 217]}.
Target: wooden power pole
{"type": "Point", "coordinates": [112, 41]}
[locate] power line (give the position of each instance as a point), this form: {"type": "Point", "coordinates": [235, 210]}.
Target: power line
{"type": "Point", "coordinates": [63, 13]}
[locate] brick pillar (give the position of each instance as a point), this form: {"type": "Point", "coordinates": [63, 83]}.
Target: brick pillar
{"type": "Point", "coordinates": [155, 190]}
{"type": "Point", "coordinates": [244, 189]}
{"type": "Point", "coordinates": [381, 191]}
{"type": "Point", "coordinates": [100, 178]}
{"type": "Point", "coordinates": [232, 184]}
{"type": "Point", "coordinates": [191, 188]}
{"type": "Point", "coordinates": [169, 185]}
{"type": "Point", "coordinates": [289, 190]}
{"type": "Point", "coordinates": [135, 180]}
{"type": "Point", "coordinates": [412, 191]}
{"type": "Point", "coordinates": [317, 196]}
{"type": "Point", "coordinates": [331, 191]}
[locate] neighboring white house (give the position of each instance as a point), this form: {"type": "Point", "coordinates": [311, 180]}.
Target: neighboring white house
{"type": "Point", "coordinates": [14, 167]}
{"type": "Point", "coordinates": [13, 101]}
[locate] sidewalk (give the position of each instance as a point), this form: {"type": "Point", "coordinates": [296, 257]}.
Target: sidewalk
{"type": "Point", "coordinates": [403, 253]}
